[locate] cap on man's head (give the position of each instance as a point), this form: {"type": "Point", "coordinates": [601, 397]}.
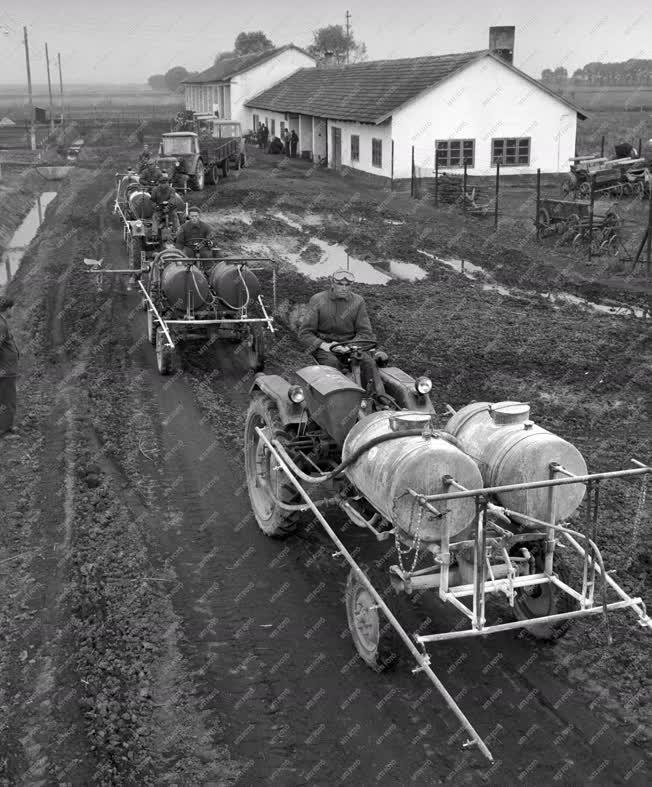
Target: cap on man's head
{"type": "Point", "coordinates": [165, 176]}
{"type": "Point", "coordinates": [5, 303]}
{"type": "Point", "coordinates": [194, 209]}
{"type": "Point", "coordinates": [343, 275]}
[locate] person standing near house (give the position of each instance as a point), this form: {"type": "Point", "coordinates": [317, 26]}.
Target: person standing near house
{"type": "Point", "coordinates": [294, 141]}
{"type": "Point", "coordinates": [285, 137]}
{"type": "Point", "coordinates": [8, 373]}
{"type": "Point", "coordinates": [265, 135]}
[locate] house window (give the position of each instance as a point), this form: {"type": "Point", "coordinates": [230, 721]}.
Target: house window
{"type": "Point", "coordinates": [377, 152]}
{"type": "Point", "coordinates": [455, 152]}
{"type": "Point", "coordinates": [282, 124]}
{"type": "Point", "coordinates": [272, 127]}
{"type": "Point", "coordinates": [256, 122]}
{"type": "Point", "coordinates": [510, 152]}
{"type": "Point", "coordinates": [355, 147]}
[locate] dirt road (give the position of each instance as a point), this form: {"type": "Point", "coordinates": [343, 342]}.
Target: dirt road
{"type": "Point", "coordinates": [228, 653]}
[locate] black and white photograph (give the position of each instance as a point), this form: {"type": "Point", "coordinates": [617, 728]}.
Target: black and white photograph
{"type": "Point", "coordinates": [325, 394]}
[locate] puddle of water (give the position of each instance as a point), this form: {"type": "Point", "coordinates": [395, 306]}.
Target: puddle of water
{"type": "Point", "coordinates": [231, 214]}
{"type": "Point", "coordinates": [469, 270]}
{"type": "Point", "coordinates": [287, 220]}
{"type": "Point", "coordinates": [406, 271]}
{"type": "Point", "coordinates": [21, 239]}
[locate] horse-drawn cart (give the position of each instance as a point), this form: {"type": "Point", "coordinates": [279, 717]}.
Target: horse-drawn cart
{"type": "Point", "coordinates": [611, 177]}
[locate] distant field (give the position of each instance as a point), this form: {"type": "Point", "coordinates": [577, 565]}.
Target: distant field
{"type": "Point", "coordinates": [616, 126]}
{"type": "Point", "coordinates": [634, 99]}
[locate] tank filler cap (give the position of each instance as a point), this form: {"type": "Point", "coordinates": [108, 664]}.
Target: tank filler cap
{"type": "Point", "coordinates": [504, 413]}
{"type": "Point", "coordinates": [404, 422]}
{"type": "Point", "coordinates": [528, 424]}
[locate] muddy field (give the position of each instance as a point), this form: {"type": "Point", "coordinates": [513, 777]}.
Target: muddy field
{"type": "Point", "coordinates": [152, 635]}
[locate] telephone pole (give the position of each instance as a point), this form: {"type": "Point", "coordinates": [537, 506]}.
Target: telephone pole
{"type": "Point", "coordinates": [348, 34]}
{"type": "Point", "coordinates": [32, 131]}
{"type": "Point", "coordinates": [60, 87]}
{"type": "Point", "coordinates": [47, 61]}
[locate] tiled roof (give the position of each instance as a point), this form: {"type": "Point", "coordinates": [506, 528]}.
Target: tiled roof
{"type": "Point", "coordinates": [365, 92]}
{"type": "Point", "coordinates": [370, 92]}
{"type": "Point", "coordinates": [225, 69]}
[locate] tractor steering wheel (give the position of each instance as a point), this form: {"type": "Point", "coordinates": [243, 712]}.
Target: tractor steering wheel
{"type": "Point", "coordinates": [360, 344]}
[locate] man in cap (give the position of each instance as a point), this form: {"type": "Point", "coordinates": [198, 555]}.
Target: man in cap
{"type": "Point", "coordinates": [144, 157]}
{"type": "Point", "coordinates": [335, 316]}
{"type": "Point", "coordinates": [163, 194]}
{"type": "Point", "coordinates": [8, 372]}
{"type": "Point", "coordinates": [193, 232]}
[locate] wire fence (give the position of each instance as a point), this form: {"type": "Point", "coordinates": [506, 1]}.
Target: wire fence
{"type": "Point", "coordinates": [600, 224]}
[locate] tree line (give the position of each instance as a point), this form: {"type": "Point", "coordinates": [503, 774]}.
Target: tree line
{"type": "Point", "coordinates": [628, 72]}
{"type": "Point", "coordinates": [332, 38]}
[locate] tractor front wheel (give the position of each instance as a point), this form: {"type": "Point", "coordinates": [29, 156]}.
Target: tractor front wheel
{"type": "Point", "coordinates": [255, 344]}
{"type": "Point", "coordinates": [198, 179]}
{"type": "Point", "coordinates": [266, 481]}
{"type": "Point", "coordinates": [542, 600]}
{"type": "Point", "coordinates": [164, 353]}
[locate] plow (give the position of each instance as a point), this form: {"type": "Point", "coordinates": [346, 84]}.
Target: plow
{"type": "Point", "coordinates": [479, 507]}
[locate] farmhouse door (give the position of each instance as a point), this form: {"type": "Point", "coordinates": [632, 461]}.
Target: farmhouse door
{"type": "Point", "coordinates": [336, 139]}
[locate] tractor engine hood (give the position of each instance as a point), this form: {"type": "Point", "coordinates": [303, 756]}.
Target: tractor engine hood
{"type": "Point", "coordinates": [173, 165]}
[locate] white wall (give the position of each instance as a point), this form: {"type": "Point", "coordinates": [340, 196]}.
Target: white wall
{"type": "Point", "coordinates": [366, 132]}
{"type": "Point", "coordinates": [485, 101]}
{"type": "Point", "coordinates": [248, 84]}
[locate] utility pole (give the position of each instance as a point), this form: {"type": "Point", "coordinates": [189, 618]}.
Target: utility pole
{"type": "Point", "coordinates": [47, 60]}
{"type": "Point", "coordinates": [348, 34]}
{"type": "Point", "coordinates": [32, 131]}
{"type": "Point", "coordinates": [60, 87]}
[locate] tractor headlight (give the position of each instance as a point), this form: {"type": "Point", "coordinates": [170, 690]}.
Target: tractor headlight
{"type": "Point", "coordinates": [423, 385]}
{"type": "Point", "coordinates": [295, 394]}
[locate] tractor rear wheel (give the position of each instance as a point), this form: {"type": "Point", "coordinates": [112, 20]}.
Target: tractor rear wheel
{"type": "Point", "coordinates": [152, 327]}
{"type": "Point", "coordinates": [266, 482]}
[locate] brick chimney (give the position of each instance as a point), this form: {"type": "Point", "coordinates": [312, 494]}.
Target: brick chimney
{"type": "Point", "coordinates": [501, 42]}
{"type": "Point", "coordinates": [329, 59]}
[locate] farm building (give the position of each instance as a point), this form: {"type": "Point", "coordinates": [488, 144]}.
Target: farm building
{"type": "Point", "coordinates": [227, 85]}
{"type": "Point", "coordinates": [475, 107]}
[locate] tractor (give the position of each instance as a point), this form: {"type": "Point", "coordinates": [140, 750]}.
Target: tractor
{"type": "Point", "coordinates": [471, 506]}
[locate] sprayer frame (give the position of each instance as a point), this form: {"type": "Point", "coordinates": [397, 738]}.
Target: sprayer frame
{"type": "Point", "coordinates": [480, 585]}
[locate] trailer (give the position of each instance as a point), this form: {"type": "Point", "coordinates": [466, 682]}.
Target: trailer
{"type": "Point", "coordinates": [571, 219]}
{"type": "Point", "coordinates": [609, 175]}
{"type": "Point", "coordinates": [478, 507]}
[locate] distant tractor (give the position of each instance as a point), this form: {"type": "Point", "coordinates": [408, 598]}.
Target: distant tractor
{"type": "Point", "coordinates": [202, 155]}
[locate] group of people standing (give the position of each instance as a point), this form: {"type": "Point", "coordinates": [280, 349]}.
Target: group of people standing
{"type": "Point", "coordinates": [286, 144]}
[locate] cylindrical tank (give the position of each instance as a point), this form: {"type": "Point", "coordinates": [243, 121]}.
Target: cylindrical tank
{"type": "Point", "coordinates": [228, 283]}
{"type": "Point", "coordinates": [177, 281]}
{"type": "Point", "coordinates": [387, 470]}
{"type": "Point", "coordinates": [140, 204]}
{"type": "Point", "coordinates": [511, 449]}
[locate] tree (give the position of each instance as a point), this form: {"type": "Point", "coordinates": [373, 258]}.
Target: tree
{"type": "Point", "coordinates": [249, 43]}
{"type": "Point", "coordinates": [546, 75]}
{"type": "Point", "coordinates": [223, 56]}
{"type": "Point", "coordinates": [174, 77]}
{"type": "Point", "coordinates": [560, 74]}
{"type": "Point", "coordinates": [157, 82]}
{"type": "Point", "coordinates": [334, 39]}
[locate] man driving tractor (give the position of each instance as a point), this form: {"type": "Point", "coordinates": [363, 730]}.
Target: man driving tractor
{"type": "Point", "coordinates": [164, 198]}
{"type": "Point", "coordinates": [335, 317]}
{"type": "Point", "coordinates": [193, 237]}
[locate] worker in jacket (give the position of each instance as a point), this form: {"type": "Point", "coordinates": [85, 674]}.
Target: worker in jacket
{"type": "Point", "coordinates": [335, 316]}
{"type": "Point", "coordinates": [194, 233]}
{"type": "Point", "coordinates": [163, 193]}
{"type": "Point", "coordinates": [8, 373]}
{"type": "Point", "coordinates": [294, 141]}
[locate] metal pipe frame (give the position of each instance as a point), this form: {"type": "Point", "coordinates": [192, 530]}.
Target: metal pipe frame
{"type": "Point", "coordinates": [422, 659]}
{"type": "Point", "coordinates": [217, 322]}
{"type": "Point", "coordinates": [157, 315]}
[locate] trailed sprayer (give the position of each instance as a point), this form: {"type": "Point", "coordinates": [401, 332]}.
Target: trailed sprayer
{"type": "Point", "coordinates": [474, 504]}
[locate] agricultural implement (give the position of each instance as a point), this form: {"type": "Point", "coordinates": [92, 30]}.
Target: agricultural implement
{"type": "Point", "coordinates": [572, 220]}
{"type": "Point", "coordinates": [479, 507]}
{"type": "Point", "coordinates": [145, 227]}
{"type": "Point", "coordinates": [614, 178]}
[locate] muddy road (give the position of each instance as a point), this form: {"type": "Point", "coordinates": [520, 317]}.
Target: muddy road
{"type": "Point", "coordinates": [253, 677]}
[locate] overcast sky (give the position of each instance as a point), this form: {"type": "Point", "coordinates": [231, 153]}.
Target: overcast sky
{"type": "Point", "coordinates": [127, 41]}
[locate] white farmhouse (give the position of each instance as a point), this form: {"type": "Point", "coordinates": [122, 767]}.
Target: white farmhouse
{"type": "Point", "coordinates": [474, 107]}
{"type": "Point", "coordinates": [226, 86]}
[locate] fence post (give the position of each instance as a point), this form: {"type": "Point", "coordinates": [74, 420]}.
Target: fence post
{"type": "Point", "coordinates": [602, 147]}
{"type": "Point", "coordinates": [464, 188]}
{"type": "Point", "coordinates": [536, 220]}
{"type": "Point", "coordinates": [391, 183]}
{"type": "Point", "coordinates": [640, 146]}
{"type": "Point", "coordinates": [436, 180]}
{"type": "Point", "coordinates": [591, 214]}
{"type": "Point", "coordinates": [649, 234]}
{"type": "Point", "coordinates": [412, 184]}
{"type": "Point", "coordinates": [497, 189]}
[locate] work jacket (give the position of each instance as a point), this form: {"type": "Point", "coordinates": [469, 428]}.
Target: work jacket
{"type": "Point", "coordinates": [333, 319]}
{"type": "Point", "coordinates": [8, 351]}
{"type": "Point", "coordinates": [162, 193]}
{"type": "Point", "coordinates": [190, 233]}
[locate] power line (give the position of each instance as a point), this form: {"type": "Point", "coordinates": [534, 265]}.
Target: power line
{"type": "Point", "coordinates": [348, 35]}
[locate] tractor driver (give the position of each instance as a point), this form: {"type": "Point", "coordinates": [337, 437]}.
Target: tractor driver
{"type": "Point", "coordinates": [162, 193]}
{"type": "Point", "coordinates": [335, 316]}
{"type": "Point", "coordinates": [192, 232]}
